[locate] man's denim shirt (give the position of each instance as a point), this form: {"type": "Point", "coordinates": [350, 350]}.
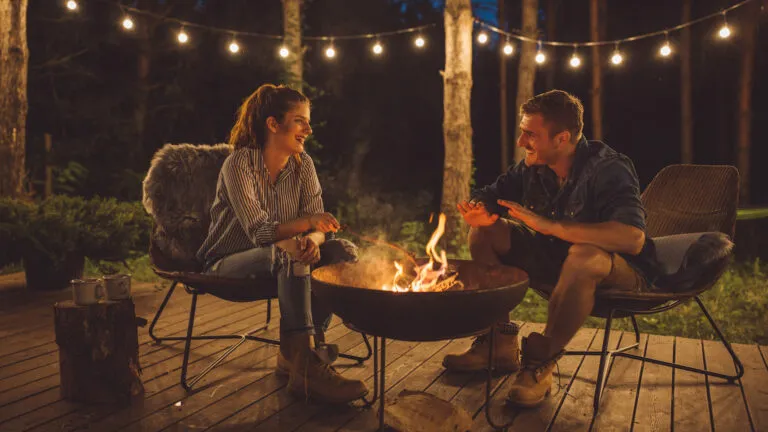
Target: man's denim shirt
{"type": "Point", "coordinates": [601, 186]}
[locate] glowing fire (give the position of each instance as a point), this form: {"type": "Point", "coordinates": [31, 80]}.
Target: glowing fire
{"type": "Point", "coordinates": [425, 277]}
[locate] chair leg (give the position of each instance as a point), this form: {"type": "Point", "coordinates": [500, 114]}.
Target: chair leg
{"type": "Point", "coordinates": [605, 358]}
{"type": "Point", "coordinates": [188, 343]}
{"type": "Point", "coordinates": [637, 329]}
{"type": "Point", "coordinates": [159, 312]}
{"type": "Point", "coordinates": [736, 362]}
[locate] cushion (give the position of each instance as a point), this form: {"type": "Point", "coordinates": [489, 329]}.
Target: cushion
{"type": "Point", "coordinates": [683, 258]}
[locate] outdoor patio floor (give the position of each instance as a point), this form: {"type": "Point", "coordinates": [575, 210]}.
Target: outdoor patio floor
{"type": "Point", "coordinates": [245, 394]}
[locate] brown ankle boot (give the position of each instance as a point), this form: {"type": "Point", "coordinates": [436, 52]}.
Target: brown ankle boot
{"type": "Point", "coordinates": [309, 376]}
{"type": "Point", "coordinates": [533, 382]}
{"type": "Point", "coordinates": [506, 356]}
{"type": "Point", "coordinates": [328, 353]}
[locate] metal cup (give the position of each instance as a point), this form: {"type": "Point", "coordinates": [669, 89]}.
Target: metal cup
{"type": "Point", "coordinates": [117, 287]}
{"type": "Point", "coordinates": [87, 291]}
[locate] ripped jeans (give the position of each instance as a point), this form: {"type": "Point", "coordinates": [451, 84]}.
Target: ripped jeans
{"type": "Point", "coordinates": [299, 309]}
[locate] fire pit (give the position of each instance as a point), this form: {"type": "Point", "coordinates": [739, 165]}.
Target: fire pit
{"type": "Point", "coordinates": [479, 295]}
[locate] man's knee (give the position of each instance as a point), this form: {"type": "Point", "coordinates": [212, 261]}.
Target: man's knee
{"type": "Point", "coordinates": [493, 238]}
{"type": "Point", "coordinates": [588, 261]}
{"type": "Point", "coordinates": [337, 251]}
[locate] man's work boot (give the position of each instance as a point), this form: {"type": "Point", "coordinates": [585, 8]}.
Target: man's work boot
{"type": "Point", "coordinates": [534, 381]}
{"type": "Point", "coordinates": [328, 353]}
{"type": "Point", "coordinates": [506, 355]}
{"type": "Point", "coordinates": [310, 377]}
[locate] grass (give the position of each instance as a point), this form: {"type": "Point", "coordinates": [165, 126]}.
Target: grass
{"type": "Point", "coordinates": [738, 303]}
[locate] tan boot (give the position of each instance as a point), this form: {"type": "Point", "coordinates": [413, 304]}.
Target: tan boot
{"type": "Point", "coordinates": [328, 353]}
{"type": "Point", "coordinates": [308, 376]}
{"type": "Point", "coordinates": [506, 356]}
{"type": "Point", "coordinates": [534, 381]}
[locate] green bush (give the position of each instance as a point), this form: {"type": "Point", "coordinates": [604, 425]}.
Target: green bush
{"type": "Point", "coordinates": [738, 303]}
{"type": "Point", "coordinates": [13, 213]}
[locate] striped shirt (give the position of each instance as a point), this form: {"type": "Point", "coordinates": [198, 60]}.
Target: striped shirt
{"type": "Point", "coordinates": [247, 208]}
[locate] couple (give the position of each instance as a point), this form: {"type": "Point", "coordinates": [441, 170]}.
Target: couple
{"type": "Point", "coordinates": [569, 215]}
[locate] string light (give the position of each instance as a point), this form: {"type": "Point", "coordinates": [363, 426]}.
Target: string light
{"type": "Point", "coordinates": [234, 47]}
{"type": "Point", "coordinates": [725, 31]}
{"type": "Point", "coordinates": [182, 37]}
{"type": "Point", "coordinates": [575, 61]}
{"type": "Point", "coordinates": [128, 23]}
{"type": "Point", "coordinates": [508, 49]}
{"type": "Point", "coordinates": [419, 42]}
{"type": "Point", "coordinates": [377, 48]}
{"type": "Point", "coordinates": [284, 52]}
{"type": "Point", "coordinates": [540, 56]}
{"type": "Point", "coordinates": [665, 49]}
{"type": "Point", "coordinates": [617, 58]}
{"type": "Point", "coordinates": [482, 38]}
{"type": "Point", "coordinates": [72, 5]}
{"type": "Point", "coordinates": [330, 52]}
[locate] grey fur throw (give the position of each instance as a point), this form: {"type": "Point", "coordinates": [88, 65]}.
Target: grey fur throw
{"type": "Point", "coordinates": [178, 192]}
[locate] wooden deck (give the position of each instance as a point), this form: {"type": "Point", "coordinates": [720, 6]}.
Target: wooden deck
{"type": "Point", "coordinates": [245, 394]}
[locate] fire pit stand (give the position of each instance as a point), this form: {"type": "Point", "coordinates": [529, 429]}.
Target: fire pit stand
{"type": "Point", "coordinates": [379, 383]}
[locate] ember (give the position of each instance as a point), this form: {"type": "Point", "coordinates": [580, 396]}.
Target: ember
{"type": "Point", "coordinates": [435, 275]}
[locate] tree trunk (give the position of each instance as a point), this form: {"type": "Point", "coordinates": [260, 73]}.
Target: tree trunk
{"type": "Point", "coordinates": [504, 113]}
{"type": "Point", "coordinates": [597, 74]}
{"type": "Point", "coordinates": [292, 31]}
{"type": "Point", "coordinates": [526, 74]}
{"type": "Point", "coordinates": [686, 108]}
{"type": "Point", "coordinates": [749, 37]}
{"type": "Point", "coordinates": [552, 6]}
{"type": "Point", "coordinates": [143, 67]}
{"type": "Point", "coordinates": [457, 125]}
{"type": "Point", "coordinates": [14, 57]}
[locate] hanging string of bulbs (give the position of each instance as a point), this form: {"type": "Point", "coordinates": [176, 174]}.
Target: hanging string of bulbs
{"type": "Point", "coordinates": [234, 47]}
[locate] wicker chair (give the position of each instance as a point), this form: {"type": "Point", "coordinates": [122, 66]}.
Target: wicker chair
{"type": "Point", "coordinates": [178, 191]}
{"type": "Point", "coordinates": [680, 199]}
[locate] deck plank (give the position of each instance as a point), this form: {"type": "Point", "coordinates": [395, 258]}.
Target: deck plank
{"type": "Point", "coordinates": [654, 403]}
{"type": "Point", "coordinates": [691, 411]}
{"type": "Point", "coordinates": [755, 383]}
{"type": "Point", "coordinates": [728, 405]}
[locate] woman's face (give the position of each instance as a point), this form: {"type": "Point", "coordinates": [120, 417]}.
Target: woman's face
{"type": "Point", "coordinates": [290, 135]}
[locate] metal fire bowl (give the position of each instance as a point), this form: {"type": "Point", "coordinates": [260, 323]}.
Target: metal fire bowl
{"type": "Point", "coordinates": [489, 293]}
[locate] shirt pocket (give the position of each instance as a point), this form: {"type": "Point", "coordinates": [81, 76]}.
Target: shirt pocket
{"type": "Point", "coordinates": [576, 208]}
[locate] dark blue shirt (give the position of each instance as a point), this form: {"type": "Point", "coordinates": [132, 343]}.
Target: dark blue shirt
{"type": "Point", "coordinates": [601, 186]}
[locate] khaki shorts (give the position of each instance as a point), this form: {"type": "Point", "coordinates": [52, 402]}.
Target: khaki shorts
{"type": "Point", "coordinates": [542, 257]}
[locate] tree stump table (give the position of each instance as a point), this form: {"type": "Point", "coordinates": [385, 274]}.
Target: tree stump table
{"type": "Point", "coordinates": [98, 351]}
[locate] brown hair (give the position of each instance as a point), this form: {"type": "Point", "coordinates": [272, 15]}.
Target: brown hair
{"type": "Point", "coordinates": [250, 129]}
{"type": "Point", "coordinates": [561, 110]}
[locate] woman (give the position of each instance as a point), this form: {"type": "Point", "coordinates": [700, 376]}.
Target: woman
{"type": "Point", "coordinates": [268, 219]}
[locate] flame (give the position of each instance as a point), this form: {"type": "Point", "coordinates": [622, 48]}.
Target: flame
{"type": "Point", "coordinates": [426, 276]}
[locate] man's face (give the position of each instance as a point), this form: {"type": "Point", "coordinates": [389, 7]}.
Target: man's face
{"type": "Point", "coordinates": [540, 148]}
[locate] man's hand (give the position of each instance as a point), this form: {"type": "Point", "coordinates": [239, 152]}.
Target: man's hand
{"type": "Point", "coordinates": [532, 220]}
{"type": "Point", "coordinates": [324, 222]}
{"type": "Point", "coordinates": [309, 251]}
{"type": "Point", "coordinates": [475, 214]}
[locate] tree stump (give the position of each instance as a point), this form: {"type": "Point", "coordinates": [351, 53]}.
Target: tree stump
{"type": "Point", "coordinates": [98, 351]}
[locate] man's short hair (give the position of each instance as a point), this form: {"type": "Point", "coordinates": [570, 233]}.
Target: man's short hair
{"type": "Point", "coordinates": [561, 111]}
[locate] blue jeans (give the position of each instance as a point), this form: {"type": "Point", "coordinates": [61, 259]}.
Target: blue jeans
{"type": "Point", "coordinates": [299, 309]}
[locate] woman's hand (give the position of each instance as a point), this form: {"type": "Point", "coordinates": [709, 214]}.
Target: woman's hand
{"type": "Point", "coordinates": [324, 222]}
{"type": "Point", "coordinates": [309, 251]}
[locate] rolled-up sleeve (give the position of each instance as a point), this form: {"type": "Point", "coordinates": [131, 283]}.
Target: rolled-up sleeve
{"type": "Point", "coordinates": [241, 184]}
{"type": "Point", "coordinates": [617, 194]}
{"type": "Point", "coordinates": [311, 197]}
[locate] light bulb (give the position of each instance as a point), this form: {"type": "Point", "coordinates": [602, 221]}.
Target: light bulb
{"type": "Point", "coordinates": [420, 42]}
{"type": "Point", "coordinates": [234, 48]}
{"type": "Point", "coordinates": [725, 32]}
{"type": "Point", "coordinates": [182, 37]}
{"type": "Point", "coordinates": [284, 52]}
{"type": "Point", "coordinates": [127, 23]}
{"type": "Point", "coordinates": [482, 38]}
{"type": "Point", "coordinates": [508, 49]}
{"type": "Point", "coordinates": [72, 5]}
{"type": "Point", "coordinates": [330, 52]}
{"type": "Point", "coordinates": [665, 50]}
{"type": "Point", "coordinates": [540, 57]}
{"type": "Point", "coordinates": [378, 49]}
{"type": "Point", "coordinates": [575, 61]}
{"type": "Point", "coordinates": [617, 58]}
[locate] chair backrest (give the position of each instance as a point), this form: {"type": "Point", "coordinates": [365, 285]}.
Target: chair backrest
{"type": "Point", "coordinates": [692, 198]}
{"type": "Point", "coordinates": [178, 192]}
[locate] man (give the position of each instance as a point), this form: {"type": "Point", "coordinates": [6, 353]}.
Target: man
{"type": "Point", "coordinates": [576, 224]}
